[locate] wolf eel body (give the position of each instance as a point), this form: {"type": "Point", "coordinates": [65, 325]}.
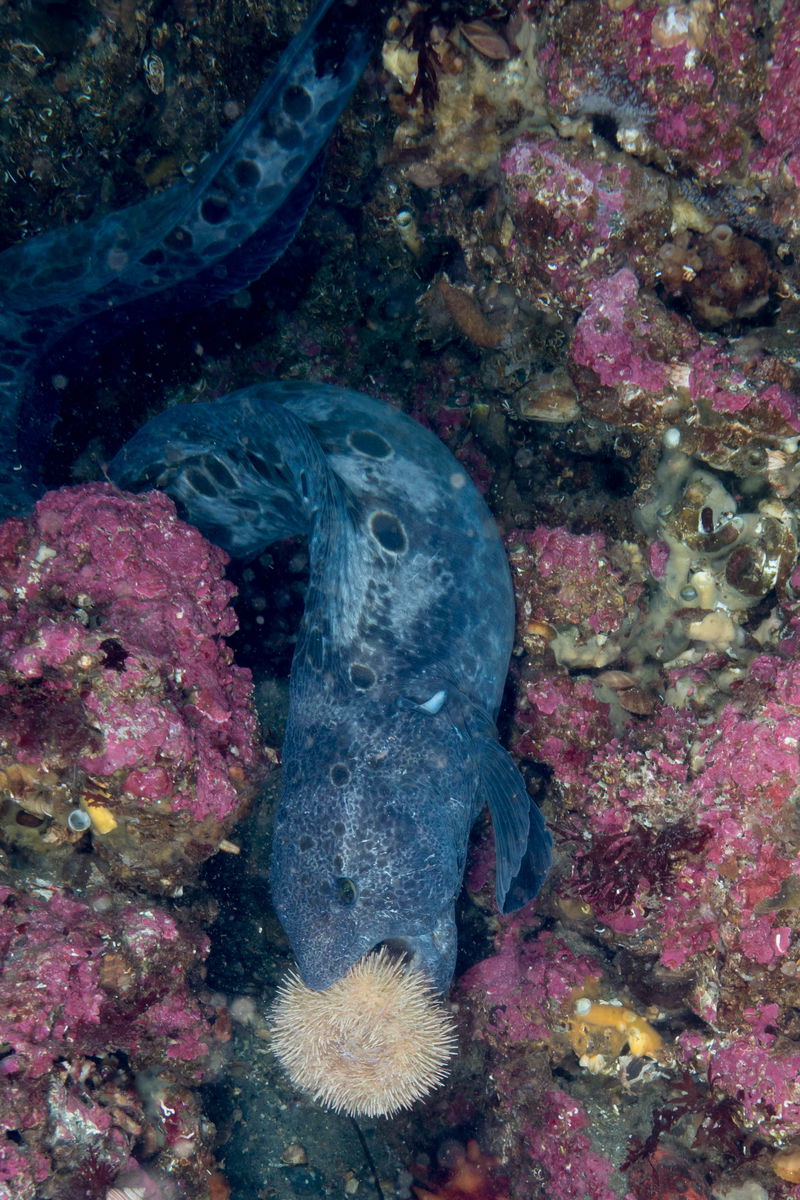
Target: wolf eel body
{"type": "Point", "coordinates": [390, 749]}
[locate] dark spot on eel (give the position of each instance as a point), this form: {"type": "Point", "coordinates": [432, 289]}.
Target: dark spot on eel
{"type": "Point", "coordinates": [219, 472]}
{"type": "Point", "coordinates": [364, 441]}
{"type": "Point", "coordinates": [215, 209]}
{"type": "Point", "coordinates": [247, 173]}
{"type": "Point", "coordinates": [388, 532]}
{"type": "Point", "coordinates": [297, 103]}
{"type": "Point", "coordinates": [340, 774]}
{"type": "Point", "coordinates": [361, 676]}
{"type": "Point", "coordinates": [199, 482]}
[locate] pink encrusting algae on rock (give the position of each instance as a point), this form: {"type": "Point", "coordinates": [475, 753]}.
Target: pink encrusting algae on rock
{"type": "Point", "coordinates": [561, 1141]}
{"type": "Point", "coordinates": [128, 751]}
{"type": "Point", "coordinates": [686, 77]}
{"type": "Point", "coordinates": [680, 853]}
{"type": "Point", "coordinates": [642, 365]}
{"type": "Point", "coordinates": [664, 790]}
{"type": "Point", "coordinates": [525, 985]}
{"type": "Point", "coordinates": [578, 218]}
{"type": "Point", "coordinates": [779, 111]}
{"type": "Point", "coordinates": [527, 1005]}
{"type": "Point", "coordinates": [119, 695]}
{"type": "Point", "coordinates": [657, 707]}
{"type": "Point", "coordinates": [97, 1014]}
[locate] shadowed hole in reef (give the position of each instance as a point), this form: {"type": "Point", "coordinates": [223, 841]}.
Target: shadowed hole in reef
{"type": "Point", "coordinates": [269, 605]}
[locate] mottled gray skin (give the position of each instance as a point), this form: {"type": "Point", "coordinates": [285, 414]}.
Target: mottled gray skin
{"type": "Point", "coordinates": [390, 748]}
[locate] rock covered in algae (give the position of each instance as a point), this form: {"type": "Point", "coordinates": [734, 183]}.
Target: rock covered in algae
{"type": "Point", "coordinates": [103, 1041]}
{"type": "Point", "coordinates": [138, 91]}
{"type": "Point", "coordinates": [123, 717]}
{"type": "Point", "coordinates": [671, 970]}
{"type": "Point", "coordinates": [642, 367]}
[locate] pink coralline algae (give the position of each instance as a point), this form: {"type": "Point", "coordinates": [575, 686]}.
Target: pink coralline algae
{"type": "Point", "coordinates": [692, 825]}
{"type": "Point", "coordinates": [678, 849]}
{"type": "Point", "coordinates": [526, 986]}
{"type": "Point", "coordinates": [594, 229]}
{"type": "Point", "coordinates": [560, 1140]}
{"type": "Point", "coordinates": [122, 712]}
{"type": "Point", "coordinates": [576, 597]}
{"type": "Point", "coordinates": [764, 1081]}
{"type": "Point", "coordinates": [553, 568]}
{"type": "Point", "coordinates": [620, 341]}
{"type": "Point", "coordinates": [663, 952]}
{"type": "Point", "coordinates": [578, 218]}
{"type": "Point", "coordinates": [779, 112]}
{"type": "Point", "coordinates": [96, 1015]}
{"type": "Point", "coordinates": [521, 1000]}
{"type": "Point", "coordinates": [686, 77]}
{"type": "Point", "coordinates": [640, 366]}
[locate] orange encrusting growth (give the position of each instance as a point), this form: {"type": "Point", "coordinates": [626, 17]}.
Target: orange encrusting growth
{"type": "Point", "coordinates": [468, 1175]}
{"type": "Point", "coordinates": [622, 1024]}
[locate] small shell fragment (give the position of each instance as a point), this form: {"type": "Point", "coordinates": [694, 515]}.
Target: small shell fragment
{"type": "Point", "coordinates": [294, 1155]}
{"type": "Point", "coordinates": [617, 679]}
{"type": "Point", "coordinates": [541, 629]}
{"type": "Point", "coordinates": [154, 73]}
{"type": "Point", "coordinates": [634, 700]}
{"type": "Point", "coordinates": [486, 41]}
{"type": "Point", "coordinates": [786, 1164]}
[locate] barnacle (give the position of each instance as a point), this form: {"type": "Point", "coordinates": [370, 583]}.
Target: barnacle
{"type": "Point", "coordinates": [721, 275]}
{"type": "Point", "coordinates": [683, 24]}
{"type": "Point", "coordinates": [550, 396]}
{"type": "Point", "coordinates": [721, 561]}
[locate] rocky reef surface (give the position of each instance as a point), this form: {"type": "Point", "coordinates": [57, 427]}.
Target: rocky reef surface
{"type": "Point", "coordinates": [128, 750]}
{"type": "Point", "coordinates": [622, 283]}
{"type": "Point", "coordinates": [565, 235]}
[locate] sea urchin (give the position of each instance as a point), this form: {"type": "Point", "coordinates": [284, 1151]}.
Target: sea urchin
{"type": "Point", "coordinates": [374, 1042]}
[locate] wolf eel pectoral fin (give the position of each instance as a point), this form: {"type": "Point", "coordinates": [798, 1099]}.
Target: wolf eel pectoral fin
{"type": "Point", "coordinates": [523, 845]}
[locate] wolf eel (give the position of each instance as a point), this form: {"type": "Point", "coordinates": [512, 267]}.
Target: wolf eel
{"type": "Point", "coordinates": [390, 749]}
